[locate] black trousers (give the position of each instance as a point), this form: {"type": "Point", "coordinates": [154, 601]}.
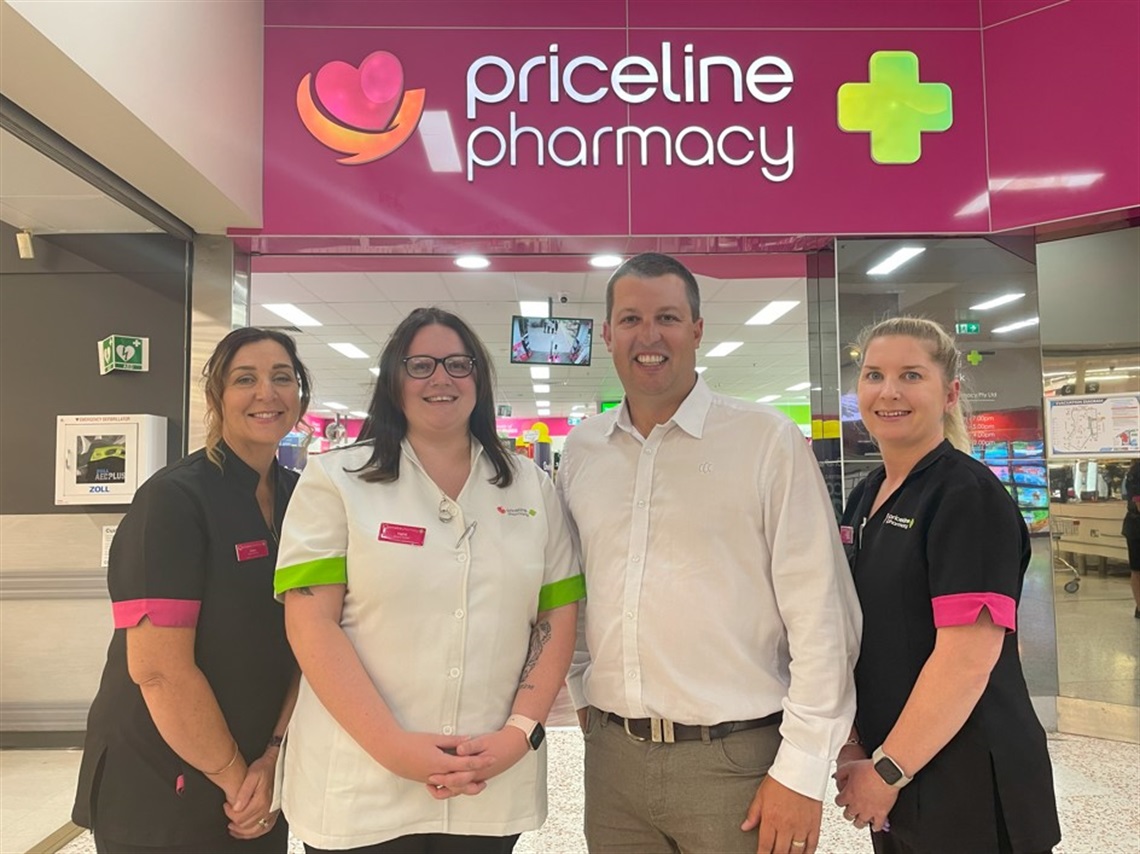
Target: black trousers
{"type": "Point", "coordinates": [433, 843]}
{"type": "Point", "coordinates": [274, 842]}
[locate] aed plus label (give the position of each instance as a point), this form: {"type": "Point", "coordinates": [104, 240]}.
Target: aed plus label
{"type": "Point", "coordinates": [633, 80]}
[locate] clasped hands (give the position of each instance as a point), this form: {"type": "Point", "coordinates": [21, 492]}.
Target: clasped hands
{"type": "Point", "coordinates": [450, 765]}
{"type": "Point", "coordinates": [864, 795]}
{"type": "Point", "coordinates": [248, 809]}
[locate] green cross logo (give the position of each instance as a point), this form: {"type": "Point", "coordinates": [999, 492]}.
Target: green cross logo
{"type": "Point", "coordinates": [894, 107]}
{"type": "Point", "coordinates": [974, 358]}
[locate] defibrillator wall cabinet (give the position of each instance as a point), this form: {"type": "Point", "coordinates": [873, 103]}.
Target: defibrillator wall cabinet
{"type": "Point", "coordinates": [103, 459]}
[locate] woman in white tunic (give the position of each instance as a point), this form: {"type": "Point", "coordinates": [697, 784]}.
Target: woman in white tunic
{"type": "Point", "coordinates": [430, 590]}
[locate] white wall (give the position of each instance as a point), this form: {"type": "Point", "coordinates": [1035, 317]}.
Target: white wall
{"type": "Point", "coordinates": [1089, 290]}
{"type": "Point", "coordinates": [166, 93]}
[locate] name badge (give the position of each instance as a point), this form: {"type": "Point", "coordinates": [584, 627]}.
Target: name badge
{"type": "Point", "coordinates": [846, 535]}
{"type": "Point", "coordinates": [252, 550]}
{"type": "Point", "coordinates": [403, 534]}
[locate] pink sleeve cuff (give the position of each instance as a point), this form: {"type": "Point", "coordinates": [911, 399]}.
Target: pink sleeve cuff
{"type": "Point", "coordinates": [962, 609]}
{"type": "Point", "coordinates": [168, 613]}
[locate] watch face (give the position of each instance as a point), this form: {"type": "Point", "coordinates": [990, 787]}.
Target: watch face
{"type": "Point", "coordinates": [537, 735]}
{"type": "Point", "coordinates": [890, 772]}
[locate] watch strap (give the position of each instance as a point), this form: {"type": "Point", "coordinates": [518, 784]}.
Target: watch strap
{"type": "Point", "coordinates": [528, 727]}
{"type": "Point", "coordinates": [894, 768]}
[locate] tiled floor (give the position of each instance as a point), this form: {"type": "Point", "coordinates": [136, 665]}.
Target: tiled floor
{"type": "Point", "coordinates": [1098, 641]}
{"type": "Point", "coordinates": [1096, 781]}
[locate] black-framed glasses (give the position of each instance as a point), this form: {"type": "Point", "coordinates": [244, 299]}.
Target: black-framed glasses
{"type": "Point", "coordinates": [457, 365]}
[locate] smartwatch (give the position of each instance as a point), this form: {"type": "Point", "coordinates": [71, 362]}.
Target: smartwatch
{"type": "Point", "coordinates": [534, 731]}
{"type": "Point", "coordinates": [888, 769]}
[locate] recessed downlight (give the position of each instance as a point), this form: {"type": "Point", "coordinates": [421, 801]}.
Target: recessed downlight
{"type": "Point", "coordinates": [606, 262]}
{"type": "Point", "coordinates": [473, 262]}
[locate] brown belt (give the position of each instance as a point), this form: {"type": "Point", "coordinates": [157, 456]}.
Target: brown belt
{"type": "Point", "coordinates": [665, 731]}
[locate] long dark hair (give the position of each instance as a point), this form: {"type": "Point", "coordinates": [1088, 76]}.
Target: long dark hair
{"type": "Point", "coordinates": [386, 425]}
{"type": "Point", "coordinates": [214, 378]}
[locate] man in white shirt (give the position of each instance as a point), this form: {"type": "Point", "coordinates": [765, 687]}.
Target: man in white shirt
{"type": "Point", "coordinates": [713, 676]}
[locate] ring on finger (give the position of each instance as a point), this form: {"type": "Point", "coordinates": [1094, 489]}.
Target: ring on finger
{"type": "Point", "coordinates": [263, 822]}
{"type": "Point", "coordinates": [796, 843]}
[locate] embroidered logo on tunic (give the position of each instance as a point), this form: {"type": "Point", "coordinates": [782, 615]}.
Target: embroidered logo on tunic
{"type": "Point", "coordinates": [899, 521]}
{"type": "Point", "coordinates": [516, 511]}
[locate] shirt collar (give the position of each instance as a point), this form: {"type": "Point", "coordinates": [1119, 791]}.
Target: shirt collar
{"type": "Point", "coordinates": [235, 467]}
{"type": "Point", "coordinates": [942, 449]}
{"type": "Point", "coordinates": [690, 415]}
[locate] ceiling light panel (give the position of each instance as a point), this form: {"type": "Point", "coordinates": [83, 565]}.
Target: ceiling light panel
{"type": "Point", "coordinates": [1021, 324]}
{"type": "Point", "coordinates": [723, 349]}
{"type": "Point", "coordinates": [799, 387]}
{"type": "Point", "coordinates": [995, 302]}
{"type": "Point", "coordinates": [534, 308]}
{"type": "Point", "coordinates": [288, 311]}
{"type": "Point", "coordinates": [350, 350]}
{"type": "Point", "coordinates": [772, 312]}
{"type": "Point", "coordinates": [895, 260]}
{"type": "Point", "coordinates": [540, 373]}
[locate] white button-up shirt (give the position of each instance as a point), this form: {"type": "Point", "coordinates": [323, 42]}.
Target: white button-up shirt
{"type": "Point", "coordinates": [440, 614]}
{"type": "Point", "coordinates": [717, 588]}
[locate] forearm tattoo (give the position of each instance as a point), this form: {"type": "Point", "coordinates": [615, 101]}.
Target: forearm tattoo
{"type": "Point", "coordinates": [539, 637]}
{"type": "Point", "coordinates": [304, 591]}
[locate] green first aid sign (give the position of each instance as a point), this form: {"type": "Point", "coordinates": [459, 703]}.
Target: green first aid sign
{"type": "Point", "coordinates": [124, 353]}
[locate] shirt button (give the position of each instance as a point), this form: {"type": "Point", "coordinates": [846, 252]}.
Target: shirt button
{"type": "Point", "coordinates": [636, 558]}
{"type": "Point", "coordinates": [629, 615]}
{"type": "Point", "coordinates": [461, 558]}
{"type": "Point", "coordinates": [649, 450]}
{"type": "Point", "coordinates": [448, 730]}
{"type": "Point", "coordinates": [632, 674]}
{"type": "Point", "coordinates": [640, 503]}
{"type": "Point", "coordinates": [453, 672]}
{"type": "Point", "coordinates": [459, 613]}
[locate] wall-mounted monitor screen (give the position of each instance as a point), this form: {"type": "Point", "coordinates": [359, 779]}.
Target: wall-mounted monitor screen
{"type": "Point", "coordinates": [1032, 496]}
{"type": "Point", "coordinates": [1029, 450]}
{"type": "Point", "coordinates": [1000, 472]}
{"type": "Point", "coordinates": [1030, 475]}
{"type": "Point", "coordinates": [997, 451]}
{"type": "Point", "coordinates": [551, 340]}
{"type": "Point", "coordinates": [1036, 520]}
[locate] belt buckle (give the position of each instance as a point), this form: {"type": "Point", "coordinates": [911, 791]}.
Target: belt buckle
{"type": "Point", "coordinates": [661, 731]}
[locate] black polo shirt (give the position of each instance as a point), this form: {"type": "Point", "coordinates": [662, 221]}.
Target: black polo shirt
{"type": "Point", "coordinates": [949, 542]}
{"type": "Point", "coordinates": [193, 550]}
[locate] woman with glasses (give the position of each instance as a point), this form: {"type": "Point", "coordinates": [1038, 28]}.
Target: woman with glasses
{"type": "Point", "coordinates": [430, 591]}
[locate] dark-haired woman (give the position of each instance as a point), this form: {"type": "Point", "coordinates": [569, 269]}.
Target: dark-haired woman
{"type": "Point", "coordinates": [431, 594]}
{"type": "Point", "coordinates": [183, 735]}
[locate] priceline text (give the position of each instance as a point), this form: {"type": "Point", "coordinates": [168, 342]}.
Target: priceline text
{"type": "Point", "coordinates": [633, 80]}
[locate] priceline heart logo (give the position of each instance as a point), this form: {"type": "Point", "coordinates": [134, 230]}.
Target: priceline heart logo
{"type": "Point", "coordinates": [364, 112]}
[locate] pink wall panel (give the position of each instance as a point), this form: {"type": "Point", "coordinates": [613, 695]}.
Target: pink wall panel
{"type": "Point", "coordinates": [473, 14]}
{"type": "Point", "coordinates": [998, 11]}
{"type": "Point", "coordinates": [803, 14]}
{"type": "Point", "coordinates": [1062, 91]}
{"type": "Point", "coordinates": [1053, 132]}
{"type": "Point", "coordinates": [836, 186]}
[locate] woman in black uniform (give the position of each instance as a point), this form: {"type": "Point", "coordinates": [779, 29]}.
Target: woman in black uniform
{"type": "Point", "coordinates": [946, 743]}
{"type": "Point", "coordinates": [199, 683]}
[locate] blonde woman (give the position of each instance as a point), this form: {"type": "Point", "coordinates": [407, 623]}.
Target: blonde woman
{"type": "Point", "coordinates": [947, 754]}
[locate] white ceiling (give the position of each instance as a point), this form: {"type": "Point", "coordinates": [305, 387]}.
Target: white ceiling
{"type": "Point", "coordinates": [363, 309]}
{"type": "Point", "coordinates": [39, 195]}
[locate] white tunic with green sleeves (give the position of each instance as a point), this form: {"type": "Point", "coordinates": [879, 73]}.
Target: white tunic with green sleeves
{"type": "Point", "coordinates": [440, 613]}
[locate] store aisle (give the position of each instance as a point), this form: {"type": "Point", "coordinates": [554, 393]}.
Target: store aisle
{"type": "Point", "coordinates": [1096, 785]}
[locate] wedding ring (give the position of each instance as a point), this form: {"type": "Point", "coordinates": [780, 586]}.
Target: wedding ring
{"type": "Point", "coordinates": [796, 844]}
{"type": "Point", "coordinates": [264, 822]}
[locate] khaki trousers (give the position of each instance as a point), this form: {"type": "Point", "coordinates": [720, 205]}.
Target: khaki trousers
{"type": "Point", "coordinates": [688, 797]}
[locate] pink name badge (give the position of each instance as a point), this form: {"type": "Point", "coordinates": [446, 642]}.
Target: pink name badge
{"type": "Point", "coordinates": [404, 534]}
{"type": "Point", "coordinates": [846, 535]}
{"type": "Point", "coordinates": [252, 550]}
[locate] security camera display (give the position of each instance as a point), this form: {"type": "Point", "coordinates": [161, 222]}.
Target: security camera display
{"type": "Point", "coordinates": [1030, 475]}
{"type": "Point", "coordinates": [101, 459]}
{"type": "Point", "coordinates": [551, 340]}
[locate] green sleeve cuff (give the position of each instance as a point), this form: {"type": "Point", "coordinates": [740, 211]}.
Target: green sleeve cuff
{"type": "Point", "coordinates": [311, 573]}
{"type": "Point", "coordinates": [559, 593]}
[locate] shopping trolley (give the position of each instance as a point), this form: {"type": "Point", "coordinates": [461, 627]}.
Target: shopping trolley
{"type": "Point", "coordinates": [1064, 528]}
